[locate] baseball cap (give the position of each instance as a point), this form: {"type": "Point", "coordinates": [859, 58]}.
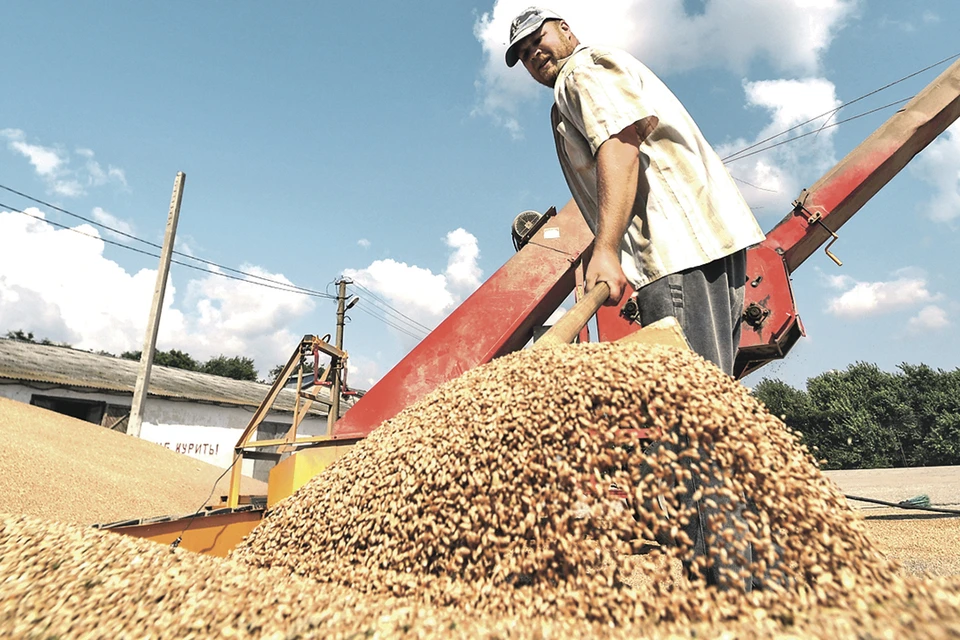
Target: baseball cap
{"type": "Point", "coordinates": [528, 21]}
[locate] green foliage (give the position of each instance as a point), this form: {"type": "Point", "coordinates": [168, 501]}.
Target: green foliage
{"type": "Point", "coordinates": [173, 358]}
{"type": "Point", "coordinates": [176, 359]}
{"type": "Point", "coordinates": [306, 367]}
{"type": "Point", "coordinates": [864, 418]}
{"type": "Point", "coordinates": [237, 367]}
{"type": "Point", "coordinates": [27, 336]}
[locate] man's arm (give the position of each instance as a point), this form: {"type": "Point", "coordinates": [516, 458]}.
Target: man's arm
{"type": "Point", "coordinates": [618, 175]}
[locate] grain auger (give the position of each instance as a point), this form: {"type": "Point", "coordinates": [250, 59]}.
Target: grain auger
{"type": "Point", "coordinates": [504, 313]}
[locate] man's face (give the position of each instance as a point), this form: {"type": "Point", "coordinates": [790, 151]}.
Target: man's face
{"type": "Point", "coordinates": [541, 50]}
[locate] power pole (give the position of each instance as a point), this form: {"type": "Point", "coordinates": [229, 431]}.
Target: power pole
{"type": "Point", "coordinates": [153, 322]}
{"type": "Point", "coordinates": [342, 308]}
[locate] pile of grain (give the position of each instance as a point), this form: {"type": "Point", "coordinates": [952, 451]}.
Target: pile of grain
{"type": "Point", "coordinates": [57, 467]}
{"type": "Point", "coordinates": [488, 496]}
{"type": "Point", "coordinates": [68, 581]}
{"type": "Point", "coordinates": [482, 512]}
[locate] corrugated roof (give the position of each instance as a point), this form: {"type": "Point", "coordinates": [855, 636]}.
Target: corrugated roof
{"type": "Point", "coordinates": [74, 368]}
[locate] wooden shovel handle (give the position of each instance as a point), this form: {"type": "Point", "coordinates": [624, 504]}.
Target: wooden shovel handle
{"type": "Point", "coordinates": [567, 327]}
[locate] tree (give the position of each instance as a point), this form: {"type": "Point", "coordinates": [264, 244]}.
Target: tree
{"type": "Point", "coordinates": [173, 358]}
{"type": "Point", "coordinates": [863, 417]}
{"type": "Point", "coordinates": [237, 367]}
{"type": "Point", "coordinates": [20, 335]}
{"type": "Point", "coordinates": [306, 367]}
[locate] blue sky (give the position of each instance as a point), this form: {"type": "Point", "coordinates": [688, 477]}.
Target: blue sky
{"type": "Point", "coordinates": [388, 141]}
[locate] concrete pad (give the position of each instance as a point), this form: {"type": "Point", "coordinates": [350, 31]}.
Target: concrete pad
{"type": "Point", "coordinates": [941, 484]}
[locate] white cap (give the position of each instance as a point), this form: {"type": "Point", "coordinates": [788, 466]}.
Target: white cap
{"type": "Point", "coordinates": [527, 22]}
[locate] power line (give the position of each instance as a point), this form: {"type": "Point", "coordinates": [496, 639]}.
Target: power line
{"type": "Point", "coordinates": [286, 288]}
{"type": "Point", "coordinates": [810, 133]}
{"type": "Point", "coordinates": [737, 155]}
{"type": "Point", "coordinates": [418, 332]}
{"type": "Point", "coordinates": [362, 307]}
{"type": "Point", "coordinates": [248, 277]}
{"type": "Point", "coordinates": [386, 306]}
{"type": "Point", "coordinates": [157, 246]}
{"type": "Point", "coordinates": [377, 312]}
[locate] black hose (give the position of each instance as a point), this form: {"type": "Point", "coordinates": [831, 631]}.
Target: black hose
{"type": "Point", "coordinates": [903, 505]}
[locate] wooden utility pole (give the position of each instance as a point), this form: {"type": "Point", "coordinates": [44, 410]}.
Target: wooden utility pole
{"type": "Point", "coordinates": [153, 322]}
{"type": "Point", "coordinates": [334, 414]}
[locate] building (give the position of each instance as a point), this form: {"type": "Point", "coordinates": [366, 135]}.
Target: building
{"type": "Point", "coordinates": [196, 414]}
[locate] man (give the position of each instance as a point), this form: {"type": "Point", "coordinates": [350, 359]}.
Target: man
{"type": "Point", "coordinates": [667, 217]}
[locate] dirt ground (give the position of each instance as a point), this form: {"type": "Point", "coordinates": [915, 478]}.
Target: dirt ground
{"type": "Point", "coordinates": [923, 542]}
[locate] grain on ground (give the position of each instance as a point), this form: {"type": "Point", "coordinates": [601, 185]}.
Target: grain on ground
{"type": "Point", "coordinates": [57, 467]}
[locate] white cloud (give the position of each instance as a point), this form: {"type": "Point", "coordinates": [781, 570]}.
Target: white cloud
{"type": "Point", "coordinates": [930, 318]}
{"type": "Point", "coordinates": [462, 268]}
{"type": "Point", "coordinates": [45, 160]}
{"type": "Point", "coordinates": [97, 176]}
{"type": "Point", "coordinates": [59, 284]}
{"type": "Point", "coordinates": [772, 178]}
{"type": "Point", "coordinates": [52, 164]}
{"type": "Point", "coordinates": [363, 242]}
{"type": "Point", "coordinates": [232, 317]}
{"type": "Point", "coordinates": [22, 308]}
{"type": "Point", "coordinates": [939, 166]}
{"type": "Point", "coordinates": [861, 299]}
{"type": "Point", "coordinates": [417, 292]}
{"type": "Point", "coordinates": [908, 24]}
{"type": "Point", "coordinates": [668, 39]}
{"type": "Point", "coordinates": [362, 373]}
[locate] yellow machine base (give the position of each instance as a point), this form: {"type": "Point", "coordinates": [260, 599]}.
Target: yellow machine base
{"type": "Point", "coordinates": [214, 533]}
{"type": "Point", "coordinates": [294, 472]}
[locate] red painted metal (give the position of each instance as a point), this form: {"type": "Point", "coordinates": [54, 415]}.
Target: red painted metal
{"type": "Point", "coordinates": [771, 325]}
{"type": "Point", "coordinates": [611, 324]}
{"type": "Point", "coordinates": [498, 318]}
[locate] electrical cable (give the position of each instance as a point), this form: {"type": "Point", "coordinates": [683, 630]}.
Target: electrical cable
{"type": "Point", "coordinates": [387, 305]}
{"type": "Point", "coordinates": [251, 278]}
{"type": "Point", "coordinates": [406, 330]}
{"type": "Point", "coordinates": [176, 543]}
{"type": "Point", "coordinates": [810, 133]}
{"type": "Point", "coordinates": [388, 322]}
{"type": "Point", "coordinates": [833, 111]}
{"type": "Point", "coordinates": [157, 246]}
{"type": "Point", "coordinates": [903, 505]}
{"type": "Point", "coordinates": [288, 289]}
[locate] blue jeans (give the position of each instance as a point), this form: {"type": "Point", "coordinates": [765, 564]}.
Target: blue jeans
{"type": "Point", "coordinates": [707, 301]}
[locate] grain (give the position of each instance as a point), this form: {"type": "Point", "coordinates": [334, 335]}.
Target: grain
{"type": "Point", "coordinates": [488, 496]}
{"type": "Point", "coordinates": [483, 511]}
{"type": "Point", "coordinates": [67, 581]}
{"type": "Point", "coordinates": [57, 467]}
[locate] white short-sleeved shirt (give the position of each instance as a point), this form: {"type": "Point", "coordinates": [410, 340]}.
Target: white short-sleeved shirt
{"type": "Point", "coordinates": [688, 209]}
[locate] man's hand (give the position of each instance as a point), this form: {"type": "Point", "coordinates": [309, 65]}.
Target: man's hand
{"type": "Point", "coordinates": [604, 266]}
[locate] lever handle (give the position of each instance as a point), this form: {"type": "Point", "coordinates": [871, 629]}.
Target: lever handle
{"type": "Point", "coordinates": [568, 326]}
